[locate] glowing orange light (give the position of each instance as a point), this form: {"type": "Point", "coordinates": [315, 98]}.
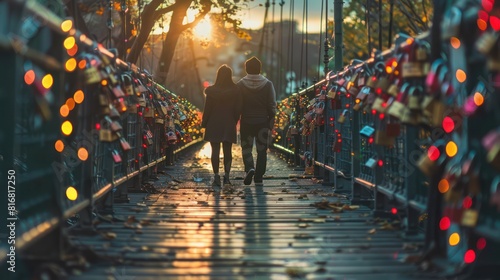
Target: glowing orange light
{"type": "Point", "coordinates": [64, 111]}
{"type": "Point", "coordinates": [73, 50]}
{"type": "Point", "coordinates": [451, 149]}
{"type": "Point", "coordinates": [79, 96]}
{"type": "Point", "coordinates": [410, 41]}
{"type": "Point", "coordinates": [478, 99]}
{"type": "Point", "coordinates": [461, 75]}
{"type": "Point", "coordinates": [454, 239]}
{"type": "Point", "coordinates": [70, 103]}
{"type": "Point", "coordinates": [481, 24]}
{"type": "Point", "coordinates": [455, 42]}
{"type": "Point", "coordinates": [70, 65]}
{"type": "Point", "coordinates": [83, 154]}
{"type": "Point", "coordinates": [82, 64]}
{"type": "Point", "coordinates": [59, 145]}
{"type": "Point", "coordinates": [29, 77]}
{"type": "Point", "coordinates": [104, 83]}
{"type": "Point", "coordinates": [443, 186]}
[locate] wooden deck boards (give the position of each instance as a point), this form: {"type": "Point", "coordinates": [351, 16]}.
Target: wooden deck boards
{"type": "Point", "coordinates": [190, 231]}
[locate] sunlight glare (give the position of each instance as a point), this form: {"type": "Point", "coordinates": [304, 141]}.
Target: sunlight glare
{"type": "Point", "coordinates": [203, 29]}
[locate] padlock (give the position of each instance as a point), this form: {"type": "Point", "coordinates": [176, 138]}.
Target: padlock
{"type": "Point", "coordinates": [103, 100]}
{"type": "Point", "coordinates": [171, 137]}
{"type": "Point", "coordinates": [343, 116]}
{"type": "Point", "coordinates": [293, 130]}
{"type": "Point", "coordinates": [410, 117]}
{"type": "Point", "coordinates": [371, 163]}
{"type": "Point", "coordinates": [358, 104]}
{"type": "Point", "coordinates": [124, 144]}
{"type": "Point", "coordinates": [159, 121]}
{"type": "Point", "coordinates": [363, 93]}
{"type": "Point", "coordinates": [116, 156]}
{"type": "Point", "coordinates": [397, 108]}
{"type": "Point", "coordinates": [432, 158]}
{"type": "Point", "coordinates": [422, 52]}
{"type": "Point", "coordinates": [469, 218]}
{"type": "Point", "coordinates": [127, 85]}
{"type": "Point", "coordinates": [353, 81]}
{"type": "Point", "coordinates": [450, 24]}
{"type": "Point", "coordinates": [378, 105]}
{"type": "Point", "coordinates": [91, 76]}
{"type": "Point", "coordinates": [486, 42]}
{"type": "Point", "coordinates": [383, 139]}
{"type": "Point", "coordinates": [332, 92]}
{"type": "Point", "coordinates": [367, 131]}
{"type": "Point", "coordinates": [452, 177]}
{"type": "Point", "coordinates": [117, 92]}
{"type": "Point", "coordinates": [106, 135]}
{"type": "Point", "coordinates": [113, 113]}
{"type": "Point", "coordinates": [436, 76]}
{"type": "Point", "coordinates": [361, 79]}
{"type": "Point", "coordinates": [148, 112]}
{"type": "Point", "coordinates": [114, 125]}
{"type": "Point", "coordinates": [319, 108]}
{"type": "Point", "coordinates": [392, 129]}
{"type": "Point", "coordinates": [414, 95]}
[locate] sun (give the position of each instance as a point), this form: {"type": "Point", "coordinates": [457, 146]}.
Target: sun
{"type": "Point", "coordinates": [203, 29]}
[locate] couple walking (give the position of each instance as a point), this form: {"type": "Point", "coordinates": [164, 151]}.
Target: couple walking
{"type": "Point", "coordinates": [253, 100]}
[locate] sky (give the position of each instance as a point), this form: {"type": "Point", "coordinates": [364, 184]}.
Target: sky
{"type": "Point", "coordinates": [253, 15]}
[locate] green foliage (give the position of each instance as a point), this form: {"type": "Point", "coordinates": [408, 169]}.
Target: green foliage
{"type": "Point", "coordinates": [361, 28]}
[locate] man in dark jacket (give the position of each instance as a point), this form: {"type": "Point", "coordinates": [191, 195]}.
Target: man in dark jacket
{"type": "Point", "coordinates": [257, 119]}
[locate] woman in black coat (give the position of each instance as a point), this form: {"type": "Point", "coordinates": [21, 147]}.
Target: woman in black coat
{"type": "Point", "coordinates": [220, 116]}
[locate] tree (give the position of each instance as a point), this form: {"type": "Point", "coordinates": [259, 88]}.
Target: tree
{"type": "Point", "coordinates": [152, 12]}
{"type": "Point", "coordinates": [362, 31]}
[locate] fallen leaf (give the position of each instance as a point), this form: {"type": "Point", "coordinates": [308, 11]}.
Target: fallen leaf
{"type": "Point", "coordinates": [108, 235]}
{"type": "Point", "coordinates": [337, 210]}
{"type": "Point", "coordinates": [280, 199]}
{"type": "Point", "coordinates": [293, 179]}
{"type": "Point", "coordinates": [295, 272]}
{"type": "Point", "coordinates": [336, 218]}
{"type": "Point", "coordinates": [353, 207]}
{"type": "Point", "coordinates": [302, 236]}
{"type": "Point", "coordinates": [372, 231]}
{"type": "Point", "coordinates": [220, 212]}
{"type": "Point", "coordinates": [303, 225]}
{"type": "Point", "coordinates": [319, 220]}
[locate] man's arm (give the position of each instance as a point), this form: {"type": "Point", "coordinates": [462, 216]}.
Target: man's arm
{"type": "Point", "coordinates": [271, 106]}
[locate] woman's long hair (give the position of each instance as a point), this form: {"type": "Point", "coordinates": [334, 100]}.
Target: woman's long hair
{"type": "Point", "coordinates": [224, 76]}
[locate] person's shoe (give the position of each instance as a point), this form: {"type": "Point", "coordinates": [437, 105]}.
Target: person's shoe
{"type": "Point", "coordinates": [258, 181]}
{"type": "Point", "coordinates": [226, 181]}
{"type": "Point", "coordinates": [248, 178]}
{"type": "Point", "coordinates": [216, 181]}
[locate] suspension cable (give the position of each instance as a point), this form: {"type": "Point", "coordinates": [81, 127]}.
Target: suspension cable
{"type": "Point", "coordinates": [320, 32]}
{"type": "Point", "coordinates": [273, 73]}
{"type": "Point", "coordinates": [280, 58]}
{"type": "Point", "coordinates": [301, 77]}
{"type": "Point", "coordinates": [290, 41]}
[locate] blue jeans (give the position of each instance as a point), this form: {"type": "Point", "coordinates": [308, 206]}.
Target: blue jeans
{"type": "Point", "coordinates": [259, 134]}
